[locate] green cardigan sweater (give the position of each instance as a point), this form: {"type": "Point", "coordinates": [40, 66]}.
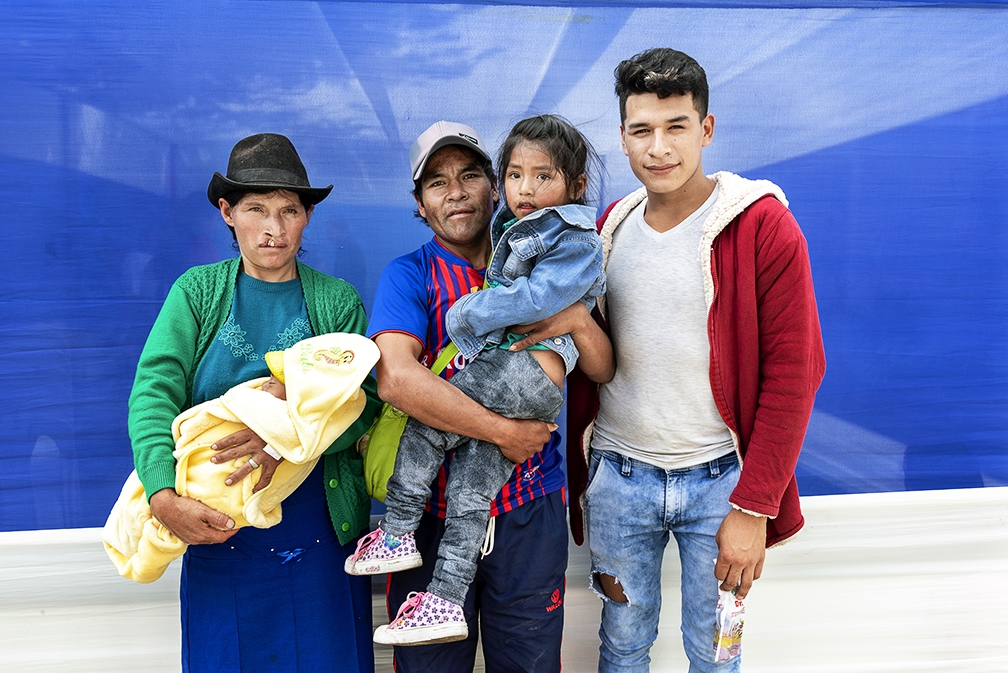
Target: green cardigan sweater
{"type": "Point", "coordinates": [197, 306]}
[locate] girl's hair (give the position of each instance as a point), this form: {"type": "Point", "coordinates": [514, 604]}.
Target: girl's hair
{"type": "Point", "coordinates": [570, 152]}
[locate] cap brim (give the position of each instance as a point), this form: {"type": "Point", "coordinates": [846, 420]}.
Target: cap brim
{"type": "Point", "coordinates": [221, 185]}
{"type": "Point", "coordinates": [444, 142]}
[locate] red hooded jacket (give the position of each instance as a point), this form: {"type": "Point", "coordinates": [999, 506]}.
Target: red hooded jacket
{"type": "Point", "coordinates": [766, 350]}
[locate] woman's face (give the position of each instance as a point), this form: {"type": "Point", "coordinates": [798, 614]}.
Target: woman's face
{"type": "Point", "coordinates": [268, 228]}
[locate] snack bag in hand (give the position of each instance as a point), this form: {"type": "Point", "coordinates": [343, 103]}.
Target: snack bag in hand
{"type": "Point", "coordinates": [728, 627]}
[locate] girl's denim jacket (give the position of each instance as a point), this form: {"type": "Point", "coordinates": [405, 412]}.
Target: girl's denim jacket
{"type": "Point", "coordinates": [543, 263]}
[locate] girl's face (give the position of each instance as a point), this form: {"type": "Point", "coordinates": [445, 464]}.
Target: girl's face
{"type": "Point", "coordinates": [531, 182]}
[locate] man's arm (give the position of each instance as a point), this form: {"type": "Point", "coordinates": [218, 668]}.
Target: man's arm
{"type": "Point", "coordinates": [412, 388]}
{"type": "Point", "coordinates": [791, 365]}
{"type": "Point", "coordinates": [790, 361]}
{"type": "Point", "coordinates": [596, 358]}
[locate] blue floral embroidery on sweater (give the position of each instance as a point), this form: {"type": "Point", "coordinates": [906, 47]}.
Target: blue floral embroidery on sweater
{"type": "Point", "coordinates": [234, 336]}
{"type": "Point", "coordinates": [298, 330]}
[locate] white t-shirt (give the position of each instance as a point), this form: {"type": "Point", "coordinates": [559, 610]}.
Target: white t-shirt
{"type": "Point", "coordinates": [659, 407]}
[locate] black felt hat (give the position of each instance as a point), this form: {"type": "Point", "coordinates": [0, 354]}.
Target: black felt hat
{"type": "Point", "coordinates": [265, 160]}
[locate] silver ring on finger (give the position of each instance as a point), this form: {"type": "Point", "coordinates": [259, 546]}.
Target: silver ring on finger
{"type": "Point", "coordinates": [253, 463]}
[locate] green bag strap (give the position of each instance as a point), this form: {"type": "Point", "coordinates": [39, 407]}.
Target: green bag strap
{"type": "Point", "coordinates": [446, 356]}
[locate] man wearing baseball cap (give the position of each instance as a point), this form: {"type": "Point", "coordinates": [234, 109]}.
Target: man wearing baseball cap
{"type": "Point", "coordinates": [516, 601]}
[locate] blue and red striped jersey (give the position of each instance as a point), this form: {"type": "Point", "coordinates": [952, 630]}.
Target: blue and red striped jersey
{"type": "Point", "coordinates": [413, 295]}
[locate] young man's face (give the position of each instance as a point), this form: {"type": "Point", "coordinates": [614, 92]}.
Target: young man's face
{"type": "Point", "coordinates": [458, 198]}
{"type": "Point", "coordinates": [664, 138]}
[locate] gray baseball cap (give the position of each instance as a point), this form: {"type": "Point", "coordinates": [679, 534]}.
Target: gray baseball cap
{"type": "Point", "coordinates": [440, 134]}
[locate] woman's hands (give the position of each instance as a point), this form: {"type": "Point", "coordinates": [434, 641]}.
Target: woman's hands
{"type": "Point", "coordinates": [195, 523]}
{"type": "Point", "coordinates": [190, 520]}
{"type": "Point", "coordinates": [246, 443]}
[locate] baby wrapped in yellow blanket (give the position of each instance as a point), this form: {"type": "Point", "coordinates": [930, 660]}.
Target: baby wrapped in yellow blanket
{"type": "Point", "coordinates": [322, 375]}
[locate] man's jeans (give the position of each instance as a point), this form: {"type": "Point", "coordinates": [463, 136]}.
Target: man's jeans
{"type": "Point", "coordinates": [631, 507]}
{"type": "Point", "coordinates": [509, 383]}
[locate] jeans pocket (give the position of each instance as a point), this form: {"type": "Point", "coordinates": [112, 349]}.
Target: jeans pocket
{"type": "Point", "coordinates": [595, 462]}
{"type": "Point", "coordinates": [728, 468]}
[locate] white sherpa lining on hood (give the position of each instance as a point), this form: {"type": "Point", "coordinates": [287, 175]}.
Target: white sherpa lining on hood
{"type": "Point", "coordinates": [736, 194]}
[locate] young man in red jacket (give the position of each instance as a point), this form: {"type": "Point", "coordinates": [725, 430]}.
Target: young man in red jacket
{"type": "Point", "coordinates": [718, 357]}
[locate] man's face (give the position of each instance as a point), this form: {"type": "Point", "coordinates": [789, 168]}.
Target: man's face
{"type": "Point", "coordinates": [458, 197]}
{"type": "Point", "coordinates": [663, 138]}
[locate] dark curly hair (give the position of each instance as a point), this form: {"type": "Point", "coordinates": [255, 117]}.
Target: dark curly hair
{"type": "Point", "coordinates": [664, 72]}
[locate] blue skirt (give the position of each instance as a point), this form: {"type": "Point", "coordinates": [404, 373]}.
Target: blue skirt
{"type": "Point", "coordinates": [277, 599]}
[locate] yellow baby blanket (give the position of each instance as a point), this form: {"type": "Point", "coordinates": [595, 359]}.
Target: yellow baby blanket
{"type": "Point", "coordinates": [323, 375]}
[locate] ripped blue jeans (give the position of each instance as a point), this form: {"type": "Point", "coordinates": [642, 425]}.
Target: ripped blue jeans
{"type": "Point", "coordinates": [631, 507]}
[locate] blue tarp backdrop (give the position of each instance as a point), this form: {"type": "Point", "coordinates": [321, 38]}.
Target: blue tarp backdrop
{"type": "Point", "coordinates": [886, 124]}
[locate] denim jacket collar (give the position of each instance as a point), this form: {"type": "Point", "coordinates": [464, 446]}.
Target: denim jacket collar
{"type": "Point", "coordinates": [572, 213]}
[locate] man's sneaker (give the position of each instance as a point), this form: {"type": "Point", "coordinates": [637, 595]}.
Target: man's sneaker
{"type": "Point", "coordinates": [379, 552]}
{"type": "Point", "coordinates": [424, 619]}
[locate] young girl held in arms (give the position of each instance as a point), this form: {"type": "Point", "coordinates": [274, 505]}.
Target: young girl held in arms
{"type": "Point", "coordinates": [546, 256]}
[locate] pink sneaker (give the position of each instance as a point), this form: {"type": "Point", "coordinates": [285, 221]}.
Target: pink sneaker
{"type": "Point", "coordinates": [424, 619]}
{"type": "Point", "coordinates": [379, 552]}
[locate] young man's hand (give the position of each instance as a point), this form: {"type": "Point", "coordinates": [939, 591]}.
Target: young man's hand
{"type": "Point", "coordinates": [741, 542]}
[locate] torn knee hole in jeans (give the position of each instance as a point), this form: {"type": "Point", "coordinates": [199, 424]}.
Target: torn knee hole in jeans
{"type": "Point", "coordinates": [608, 588]}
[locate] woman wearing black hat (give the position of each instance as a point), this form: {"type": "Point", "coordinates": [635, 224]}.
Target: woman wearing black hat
{"type": "Point", "coordinates": [257, 599]}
